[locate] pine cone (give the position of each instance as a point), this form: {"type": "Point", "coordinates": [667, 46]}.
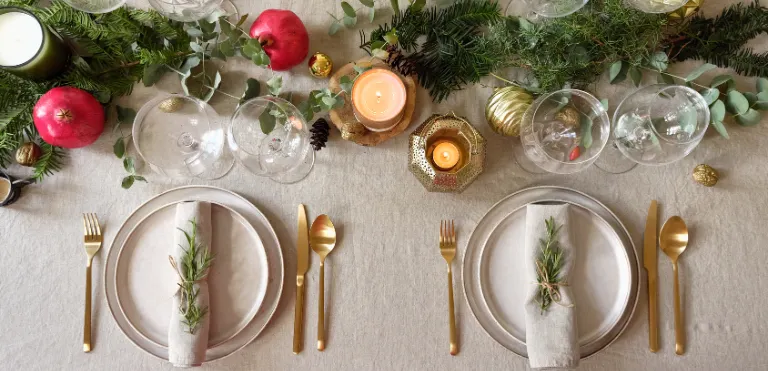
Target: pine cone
{"type": "Point", "coordinates": [320, 131]}
{"type": "Point", "coordinates": [398, 62]}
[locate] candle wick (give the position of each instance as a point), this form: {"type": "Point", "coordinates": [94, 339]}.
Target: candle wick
{"type": "Point", "coordinates": [446, 154]}
{"type": "Point", "coordinates": [378, 97]}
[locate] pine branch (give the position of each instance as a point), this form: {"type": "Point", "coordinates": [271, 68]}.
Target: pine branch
{"type": "Point", "coordinates": [50, 161]}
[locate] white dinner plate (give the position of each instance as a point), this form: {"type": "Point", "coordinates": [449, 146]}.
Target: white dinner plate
{"type": "Point", "coordinates": [146, 281]}
{"type": "Point", "coordinates": [604, 281]}
{"type": "Point", "coordinates": [148, 336]}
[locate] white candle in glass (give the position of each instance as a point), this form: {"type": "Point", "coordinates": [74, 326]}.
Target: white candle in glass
{"type": "Point", "coordinates": [21, 37]}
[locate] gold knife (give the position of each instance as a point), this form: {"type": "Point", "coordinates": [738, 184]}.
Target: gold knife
{"type": "Point", "coordinates": [302, 265]}
{"type": "Point", "coordinates": [650, 264]}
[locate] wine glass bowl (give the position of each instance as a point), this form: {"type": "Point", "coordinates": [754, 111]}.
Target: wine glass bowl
{"type": "Point", "coordinates": [95, 6]}
{"type": "Point", "coordinates": [270, 137]}
{"type": "Point", "coordinates": [554, 8]}
{"type": "Point", "coordinates": [660, 124]}
{"type": "Point", "coordinates": [563, 132]}
{"type": "Point", "coordinates": [657, 6]}
{"type": "Point", "coordinates": [183, 142]}
{"type": "Point", "coordinates": [185, 10]}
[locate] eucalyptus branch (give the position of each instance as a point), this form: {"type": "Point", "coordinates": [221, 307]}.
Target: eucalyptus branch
{"type": "Point", "coordinates": [203, 84]}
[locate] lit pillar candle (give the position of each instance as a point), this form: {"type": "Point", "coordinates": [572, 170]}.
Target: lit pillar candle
{"type": "Point", "coordinates": [28, 48]}
{"type": "Point", "coordinates": [378, 99]}
{"type": "Point", "coordinates": [446, 155]}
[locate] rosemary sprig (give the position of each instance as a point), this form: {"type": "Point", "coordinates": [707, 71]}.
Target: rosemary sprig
{"type": "Point", "coordinates": [192, 269]}
{"type": "Point", "coordinates": [548, 266]}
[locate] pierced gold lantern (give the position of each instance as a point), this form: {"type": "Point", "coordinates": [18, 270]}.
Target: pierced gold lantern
{"type": "Point", "coordinates": [446, 153]}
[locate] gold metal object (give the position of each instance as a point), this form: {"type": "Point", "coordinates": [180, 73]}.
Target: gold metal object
{"type": "Point", "coordinates": [673, 241]}
{"type": "Point", "coordinates": [323, 240]}
{"type": "Point", "coordinates": [302, 265]}
{"type": "Point", "coordinates": [320, 65]}
{"type": "Point", "coordinates": [93, 240]}
{"type": "Point", "coordinates": [570, 117]}
{"type": "Point", "coordinates": [650, 262]}
{"type": "Point", "coordinates": [448, 251]}
{"type": "Point", "coordinates": [458, 130]}
{"type": "Point", "coordinates": [705, 175]}
{"type": "Point", "coordinates": [28, 154]}
{"type": "Point", "coordinates": [690, 8]}
{"type": "Point", "coordinates": [505, 109]}
{"type": "Point", "coordinates": [171, 104]}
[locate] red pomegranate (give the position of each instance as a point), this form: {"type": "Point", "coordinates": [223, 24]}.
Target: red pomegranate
{"type": "Point", "coordinates": [283, 37]}
{"type": "Point", "coordinates": [68, 117]}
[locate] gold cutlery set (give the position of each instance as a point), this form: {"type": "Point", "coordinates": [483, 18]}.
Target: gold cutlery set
{"type": "Point", "coordinates": [448, 251]}
{"type": "Point", "coordinates": [93, 240]}
{"type": "Point", "coordinates": [673, 239]}
{"type": "Point", "coordinates": [322, 238]}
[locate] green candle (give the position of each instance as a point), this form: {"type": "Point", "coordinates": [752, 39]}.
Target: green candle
{"type": "Point", "coordinates": [28, 48]}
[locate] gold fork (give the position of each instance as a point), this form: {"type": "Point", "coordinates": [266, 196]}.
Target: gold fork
{"type": "Point", "coordinates": [448, 250]}
{"type": "Point", "coordinates": [93, 240]}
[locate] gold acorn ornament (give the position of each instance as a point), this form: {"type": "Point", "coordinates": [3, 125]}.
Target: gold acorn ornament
{"type": "Point", "coordinates": [352, 130]}
{"type": "Point", "coordinates": [171, 105]}
{"type": "Point", "coordinates": [705, 175]}
{"type": "Point", "coordinates": [28, 154]}
{"type": "Point", "coordinates": [320, 65]}
{"type": "Point", "coordinates": [690, 8]}
{"type": "Point", "coordinates": [569, 116]}
{"type": "Point", "coordinates": [505, 108]}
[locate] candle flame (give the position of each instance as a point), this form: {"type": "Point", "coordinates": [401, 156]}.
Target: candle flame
{"type": "Point", "coordinates": [378, 97]}
{"type": "Point", "coordinates": [446, 155]}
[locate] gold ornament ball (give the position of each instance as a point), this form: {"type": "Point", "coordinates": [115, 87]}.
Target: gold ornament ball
{"type": "Point", "coordinates": [171, 105]}
{"type": "Point", "coordinates": [705, 175]}
{"type": "Point", "coordinates": [505, 109]}
{"type": "Point", "coordinates": [320, 65]}
{"type": "Point", "coordinates": [28, 154]}
{"type": "Point", "coordinates": [569, 116]}
{"type": "Point", "coordinates": [687, 10]}
{"type": "Point", "coordinates": [352, 130]}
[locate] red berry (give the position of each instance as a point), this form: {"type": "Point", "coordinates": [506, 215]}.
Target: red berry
{"type": "Point", "coordinates": [575, 153]}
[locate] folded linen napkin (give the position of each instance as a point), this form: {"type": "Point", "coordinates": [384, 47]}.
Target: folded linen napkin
{"type": "Point", "coordinates": [187, 349]}
{"type": "Point", "coordinates": [551, 337]}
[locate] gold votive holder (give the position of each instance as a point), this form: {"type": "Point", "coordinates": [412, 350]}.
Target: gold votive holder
{"type": "Point", "coordinates": [438, 128]}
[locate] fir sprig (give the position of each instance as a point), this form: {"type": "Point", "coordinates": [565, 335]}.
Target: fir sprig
{"type": "Point", "coordinates": [192, 268]}
{"type": "Point", "coordinates": [549, 265]}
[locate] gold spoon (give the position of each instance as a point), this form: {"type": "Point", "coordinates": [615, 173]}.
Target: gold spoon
{"type": "Point", "coordinates": [322, 238]}
{"type": "Point", "coordinates": [673, 240]}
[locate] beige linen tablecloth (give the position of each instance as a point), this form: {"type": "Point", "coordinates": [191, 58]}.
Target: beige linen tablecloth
{"type": "Point", "coordinates": [386, 295]}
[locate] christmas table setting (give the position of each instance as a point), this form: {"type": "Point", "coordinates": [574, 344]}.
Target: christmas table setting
{"type": "Point", "coordinates": [597, 166]}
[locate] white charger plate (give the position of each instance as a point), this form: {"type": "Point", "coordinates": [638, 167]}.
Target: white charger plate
{"type": "Point", "coordinates": [146, 281]}
{"type": "Point", "coordinates": [239, 205]}
{"type": "Point", "coordinates": [605, 278]}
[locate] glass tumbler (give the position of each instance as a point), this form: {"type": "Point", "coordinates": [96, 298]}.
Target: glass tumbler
{"type": "Point", "coordinates": [562, 132]}
{"type": "Point", "coordinates": [270, 137]}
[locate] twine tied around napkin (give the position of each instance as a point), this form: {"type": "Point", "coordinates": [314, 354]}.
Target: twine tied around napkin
{"type": "Point", "coordinates": [550, 287]}
{"type": "Point", "coordinates": [184, 304]}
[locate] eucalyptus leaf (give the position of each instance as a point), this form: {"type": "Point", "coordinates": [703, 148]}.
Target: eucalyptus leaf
{"type": "Point", "coordinates": [125, 115]}
{"type": "Point", "coordinates": [102, 96]}
{"type": "Point", "coordinates": [586, 130]}
{"type": "Point", "coordinates": [659, 61]}
{"type": "Point", "coordinates": [266, 120]}
{"type": "Point", "coordinates": [205, 26]}
{"type": "Point", "coordinates": [751, 98]}
{"type": "Point", "coordinates": [635, 75]}
{"type": "Point", "coordinates": [688, 121]}
{"type": "Point", "coordinates": [614, 70]}
{"type": "Point", "coordinates": [720, 80]}
{"type": "Point", "coordinates": [127, 182]}
{"type": "Point", "coordinates": [710, 95]}
{"type": "Point", "coordinates": [368, 3]}
{"type": "Point", "coordinates": [371, 14]}
{"type": "Point", "coordinates": [736, 103]}
{"type": "Point", "coordinates": [339, 103]}
{"type": "Point", "coordinates": [525, 25]}
{"type": "Point", "coordinates": [128, 165]}
{"type": "Point", "coordinates": [762, 101]}
{"type": "Point", "coordinates": [604, 103]}
{"type": "Point", "coordinates": [417, 5]}
{"type": "Point", "coordinates": [749, 118]}
{"type": "Point", "coordinates": [699, 71]}
{"type": "Point", "coordinates": [194, 32]}
{"type": "Point", "coordinates": [391, 37]}
{"type": "Point", "coordinates": [225, 27]}
{"type": "Point", "coordinates": [378, 44]}
{"type": "Point", "coordinates": [227, 48]}
{"type": "Point", "coordinates": [275, 84]}
{"type": "Point", "coordinates": [216, 53]}
{"type": "Point", "coordinates": [251, 48]}
{"type": "Point", "coordinates": [139, 178]}
{"type": "Point", "coordinates": [348, 9]}
{"type": "Point", "coordinates": [720, 127]}
{"type": "Point", "coordinates": [360, 69]}
{"type": "Point", "coordinates": [334, 29]}
{"type": "Point", "coordinates": [395, 6]}
{"type": "Point", "coordinates": [196, 47]}
{"type": "Point", "coordinates": [328, 102]}
{"type": "Point", "coordinates": [189, 64]}
{"type": "Point", "coordinates": [346, 84]}
{"type": "Point", "coordinates": [119, 147]}
{"type": "Point", "coordinates": [665, 78]}
{"type": "Point", "coordinates": [252, 90]}
{"type": "Point", "coordinates": [717, 111]}
{"type": "Point", "coordinates": [242, 20]}
{"type": "Point", "coordinates": [287, 96]}
{"type": "Point", "coordinates": [762, 84]}
{"type": "Point", "coordinates": [261, 59]}
{"type": "Point", "coordinates": [380, 53]}
{"type": "Point", "coordinates": [306, 110]}
{"type": "Point", "coordinates": [349, 21]}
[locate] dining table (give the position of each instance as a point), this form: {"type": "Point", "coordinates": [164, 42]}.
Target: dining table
{"type": "Point", "coordinates": [385, 282]}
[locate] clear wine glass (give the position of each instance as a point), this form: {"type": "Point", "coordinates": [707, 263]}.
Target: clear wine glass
{"type": "Point", "coordinates": [562, 132]}
{"type": "Point", "coordinates": [534, 9]}
{"type": "Point", "coordinates": [183, 141]}
{"type": "Point", "coordinates": [193, 10]}
{"type": "Point", "coordinates": [270, 137]}
{"type": "Point", "coordinates": [657, 6]}
{"type": "Point", "coordinates": [95, 6]}
{"type": "Point", "coordinates": [656, 125]}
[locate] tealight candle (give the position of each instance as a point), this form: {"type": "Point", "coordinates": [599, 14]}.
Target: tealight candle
{"type": "Point", "coordinates": [446, 155]}
{"type": "Point", "coordinates": [5, 189]}
{"type": "Point", "coordinates": [28, 48]}
{"type": "Point", "coordinates": [378, 99]}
